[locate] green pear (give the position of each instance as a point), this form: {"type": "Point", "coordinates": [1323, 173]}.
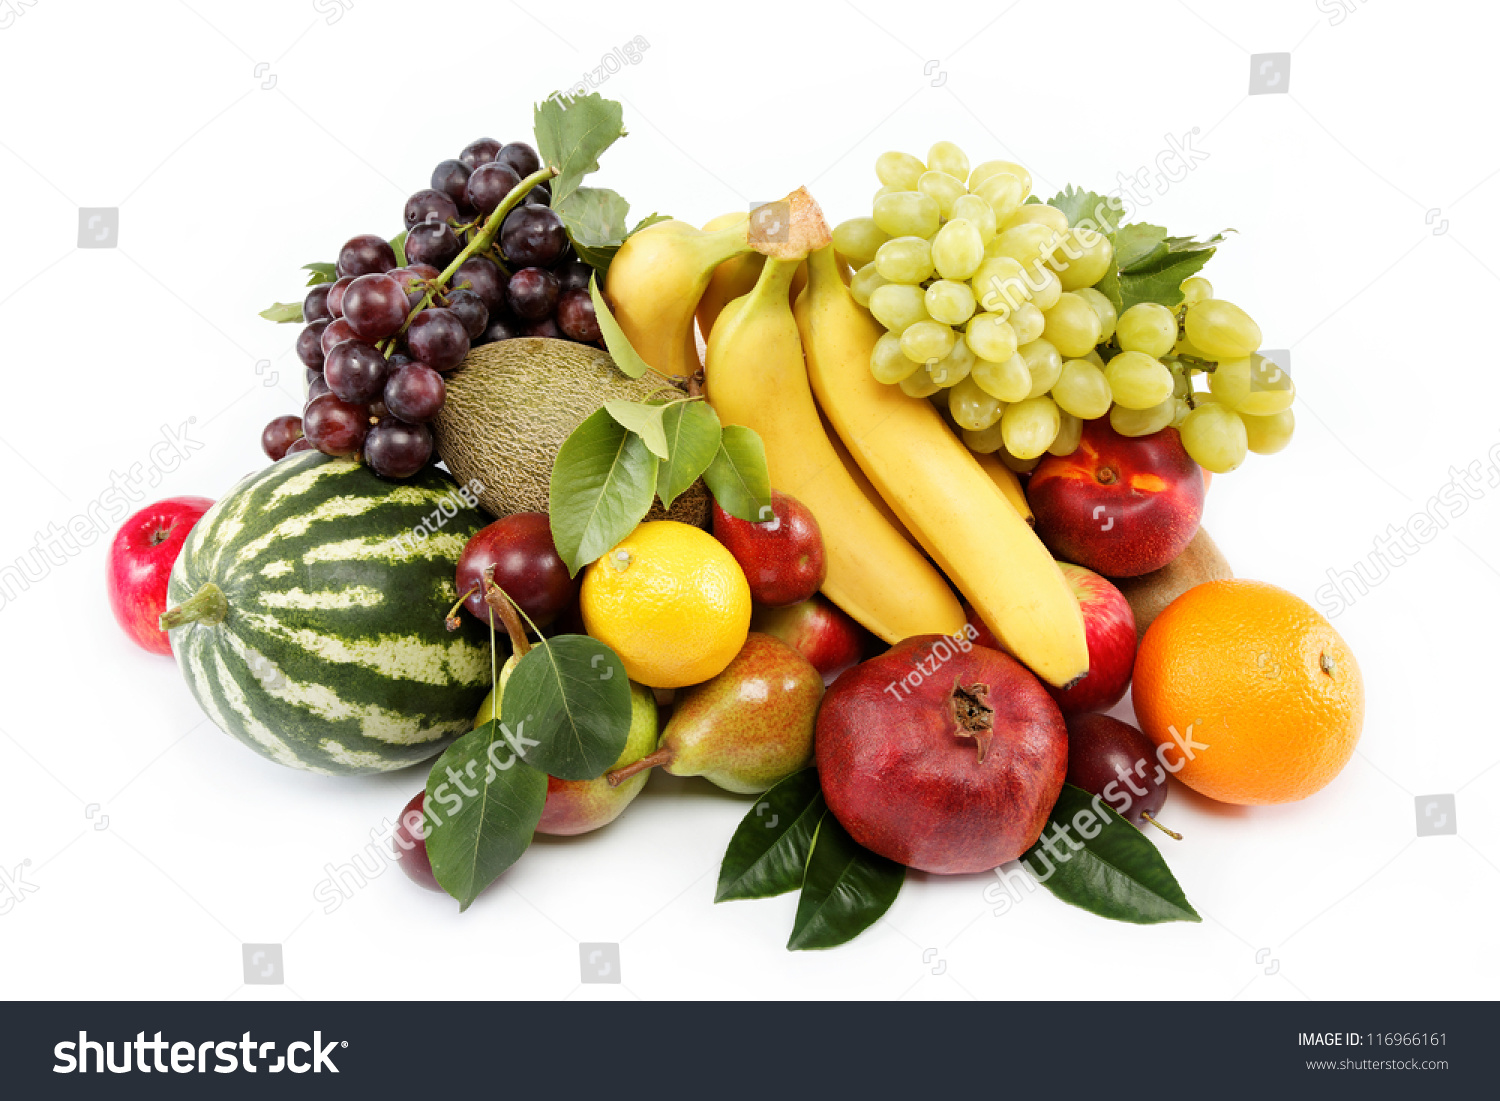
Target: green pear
{"type": "Point", "coordinates": [747, 728]}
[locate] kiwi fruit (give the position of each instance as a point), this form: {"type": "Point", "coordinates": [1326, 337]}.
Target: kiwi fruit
{"type": "Point", "coordinates": [511, 404]}
{"type": "Point", "coordinates": [1150, 593]}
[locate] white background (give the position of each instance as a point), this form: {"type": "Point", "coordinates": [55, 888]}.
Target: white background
{"type": "Point", "coordinates": [225, 186]}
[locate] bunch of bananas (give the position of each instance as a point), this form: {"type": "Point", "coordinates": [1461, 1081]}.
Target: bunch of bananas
{"type": "Point", "coordinates": [788, 355]}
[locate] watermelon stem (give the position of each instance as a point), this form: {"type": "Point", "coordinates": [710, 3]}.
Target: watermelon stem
{"type": "Point", "coordinates": [207, 606]}
{"type": "Point", "coordinates": [502, 605]}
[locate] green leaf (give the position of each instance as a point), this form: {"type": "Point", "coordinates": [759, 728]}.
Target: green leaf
{"type": "Point", "coordinates": [1099, 212]}
{"type": "Point", "coordinates": [1149, 266]}
{"type": "Point", "coordinates": [321, 273]}
{"type": "Point", "coordinates": [603, 481]}
{"type": "Point", "coordinates": [645, 420]}
{"type": "Point", "coordinates": [568, 701]}
{"type": "Point", "coordinates": [648, 220]}
{"type": "Point", "coordinates": [398, 245]}
{"type": "Point", "coordinates": [283, 312]}
{"type": "Point", "coordinates": [626, 358]}
{"type": "Point", "coordinates": [595, 216]}
{"type": "Point", "coordinates": [738, 477]}
{"type": "Point", "coordinates": [1117, 873]}
{"type": "Point", "coordinates": [693, 433]}
{"type": "Point", "coordinates": [473, 835]}
{"type": "Point", "coordinates": [1138, 244]}
{"type": "Point", "coordinates": [571, 133]}
{"type": "Point", "coordinates": [768, 852]}
{"type": "Point", "coordinates": [845, 889]}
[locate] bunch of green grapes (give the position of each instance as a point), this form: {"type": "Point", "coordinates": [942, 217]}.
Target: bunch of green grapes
{"type": "Point", "coordinates": [992, 311]}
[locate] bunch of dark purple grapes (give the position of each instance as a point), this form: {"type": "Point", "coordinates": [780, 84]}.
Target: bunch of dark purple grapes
{"type": "Point", "coordinates": [380, 338]}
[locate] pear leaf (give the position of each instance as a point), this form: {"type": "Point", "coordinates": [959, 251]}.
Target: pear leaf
{"type": "Point", "coordinates": [568, 702]}
{"type": "Point", "coordinates": [845, 889]}
{"type": "Point", "coordinates": [645, 420]}
{"type": "Point", "coordinates": [626, 358]}
{"type": "Point", "coordinates": [738, 477]}
{"type": "Point", "coordinates": [603, 482]}
{"type": "Point", "coordinates": [768, 852]}
{"type": "Point", "coordinates": [693, 433]}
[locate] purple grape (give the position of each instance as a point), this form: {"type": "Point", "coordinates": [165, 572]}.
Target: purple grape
{"type": "Point", "coordinates": [540, 195]}
{"type": "Point", "coordinates": [573, 275]}
{"type": "Point", "coordinates": [484, 279]}
{"type": "Point", "coordinates": [470, 309]}
{"type": "Point", "coordinates": [301, 443]}
{"type": "Point", "coordinates": [279, 435]}
{"type": "Point", "coordinates": [429, 205]}
{"type": "Point", "coordinates": [489, 185]}
{"type": "Point", "coordinates": [395, 449]}
{"type": "Point", "coordinates": [336, 295]}
{"type": "Point", "coordinates": [533, 237]}
{"type": "Point", "coordinates": [335, 427]}
{"type": "Point", "coordinates": [409, 281]}
{"type": "Point", "coordinates": [356, 372]}
{"type": "Point", "coordinates": [415, 393]}
{"type": "Point", "coordinates": [337, 332]}
{"type": "Point", "coordinates": [576, 318]}
{"type": "Point", "coordinates": [315, 305]}
{"type": "Point", "coordinates": [451, 177]}
{"type": "Point", "coordinates": [503, 329]}
{"type": "Point", "coordinates": [366, 254]}
{"type": "Point", "coordinates": [398, 359]}
{"type": "Point", "coordinates": [375, 306]}
{"type": "Point", "coordinates": [545, 327]}
{"type": "Point", "coordinates": [532, 293]}
{"type": "Point", "coordinates": [433, 244]}
{"type": "Point", "coordinates": [480, 151]}
{"type": "Point", "coordinates": [521, 157]}
{"type": "Point", "coordinates": [310, 344]}
{"type": "Point", "coordinates": [317, 388]}
{"type": "Point", "coordinates": [438, 338]}
{"type": "Point", "coordinates": [313, 374]}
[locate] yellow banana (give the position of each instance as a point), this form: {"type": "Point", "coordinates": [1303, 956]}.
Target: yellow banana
{"type": "Point", "coordinates": [933, 482]}
{"type": "Point", "coordinates": [755, 377]}
{"type": "Point", "coordinates": [733, 278]}
{"type": "Point", "coordinates": [1008, 483]}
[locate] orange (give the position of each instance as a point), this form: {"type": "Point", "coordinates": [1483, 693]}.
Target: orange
{"type": "Point", "coordinates": [671, 601]}
{"type": "Point", "coordinates": [1255, 693]}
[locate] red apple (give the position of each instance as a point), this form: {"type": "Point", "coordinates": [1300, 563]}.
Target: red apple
{"type": "Point", "coordinates": [1118, 505]}
{"type": "Point", "coordinates": [140, 564]}
{"type": "Point", "coordinates": [782, 558]}
{"type": "Point", "coordinates": [817, 630]}
{"type": "Point", "coordinates": [525, 563]}
{"type": "Point", "coordinates": [410, 844]}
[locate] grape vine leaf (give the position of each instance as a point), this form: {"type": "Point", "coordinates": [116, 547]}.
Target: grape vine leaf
{"type": "Point", "coordinates": [571, 133]}
{"type": "Point", "coordinates": [595, 220]}
{"type": "Point", "coordinates": [645, 420]}
{"type": "Point", "coordinates": [769, 849]}
{"type": "Point", "coordinates": [845, 889]}
{"type": "Point", "coordinates": [321, 273]}
{"type": "Point", "coordinates": [570, 698]}
{"type": "Point", "coordinates": [1098, 212]}
{"type": "Point", "coordinates": [603, 482]}
{"type": "Point", "coordinates": [738, 477]}
{"type": "Point", "coordinates": [283, 312]}
{"type": "Point", "coordinates": [626, 358]}
{"type": "Point", "coordinates": [1149, 266]}
{"type": "Point", "coordinates": [693, 434]}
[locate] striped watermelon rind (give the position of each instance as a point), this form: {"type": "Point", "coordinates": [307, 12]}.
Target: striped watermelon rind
{"type": "Point", "coordinates": [333, 655]}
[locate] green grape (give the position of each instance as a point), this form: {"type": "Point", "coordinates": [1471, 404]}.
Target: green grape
{"type": "Point", "coordinates": [907, 214]}
{"type": "Point", "coordinates": [979, 213]}
{"type": "Point", "coordinates": [1008, 381]}
{"type": "Point", "coordinates": [1081, 389]}
{"type": "Point", "coordinates": [957, 250]}
{"type": "Point", "coordinates": [897, 305]}
{"type": "Point", "coordinates": [999, 285]}
{"type": "Point", "coordinates": [950, 302]}
{"type": "Point", "coordinates": [1096, 359]}
{"type": "Point", "coordinates": [1182, 384]}
{"type": "Point", "coordinates": [1072, 325]}
{"type": "Point", "coordinates": [1222, 329]}
{"type": "Point", "coordinates": [926, 341]}
{"type": "Point", "coordinates": [858, 238]}
{"type": "Point", "coordinates": [973, 410]}
{"type": "Point", "coordinates": [982, 172]}
{"type": "Point", "coordinates": [904, 260]}
{"type": "Point", "coordinates": [1029, 427]}
{"type": "Point", "coordinates": [1195, 289]}
{"type": "Point", "coordinates": [1252, 385]}
{"type": "Point", "coordinates": [1046, 288]}
{"type": "Point", "coordinates": [1268, 435]}
{"type": "Point", "coordinates": [987, 441]}
{"type": "Point", "coordinates": [918, 384]}
{"type": "Point", "coordinates": [1044, 363]}
{"type": "Point", "coordinates": [991, 338]}
{"type": "Point", "coordinates": [1180, 410]}
{"type": "Point", "coordinates": [1027, 321]}
{"type": "Point", "coordinates": [944, 156]}
{"type": "Point", "coordinates": [1069, 435]}
{"type": "Point", "coordinates": [1103, 307]}
{"type": "Point", "coordinates": [943, 189]}
{"type": "Point", "coordinates": [883, 192]}
{"type": "Point", "coordinates": [1142, 422]}
{"type": "Point", "coordinates": [1083, 258]}
{"type": "Point", "coordinates": [1138, 381]}
{"type": "Point", "coordinates": [1028, 243]}
{"type": "Point", "coordinates": [1147, 327]}
{"type": "Point", "coordinates": [899, 170]}
{"type": "Point", "coordinates": [954, 367]}
{"type": "Point", "coordinates": [864, 284]}
{"type": "Point", "coordinates": [1039, 213]}
{"type": "Point", "coordinates": [1214, 437]}
{"type": "Point", "coordinates": [888, 363]}
{"type": "Point", "coordinates": [1020, 466]}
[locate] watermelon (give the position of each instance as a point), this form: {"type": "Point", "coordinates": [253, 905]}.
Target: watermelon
{"type": "Point", "coordinates": [308, 615]}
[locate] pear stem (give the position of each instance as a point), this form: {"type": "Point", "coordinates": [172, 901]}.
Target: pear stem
{"type": "Point", "coordinates": [618, 776]}
{"type": "Point", "coordinates": [1173, 834]}
{"type": "Point", "coordinates": [500, 604]}
{"type": "Point", "coordinates": [207, 606]}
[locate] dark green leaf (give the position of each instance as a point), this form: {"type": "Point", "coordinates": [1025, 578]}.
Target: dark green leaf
{"type": "Point", "coordinates": [645, 420]}
{"type": "Point", "coordinates": [321, 273]}
{"type": "Point", "coordinates": [738, 477]}
{"type": "Point", "coordinates": [625, 356]}
{"type": "Point", "coordinates": [571, 133]}
{"type": "Point", "coordinates": [398, 244]}
{"type": "Point", "coordinates": [483, 804]}
{"type": "Point", "coordinates": [1138, 244]}
{"type": "Point", "coordinates": [1098, 212]}
{"type": "Point", "coordinates": [768, 852]}
{"type": "Point", "coordinates": [1117, 873]}
{"type": "Point", "coordinates": [568, 701]}
{"type": "Point", "coordinates": [603, 481]}
{"type": "Point", "coordinates": [283, 312]}
{"type": "Point", "coordinates": [845, 889]}
{"type": "Point", "coordinates": [693, 432]}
